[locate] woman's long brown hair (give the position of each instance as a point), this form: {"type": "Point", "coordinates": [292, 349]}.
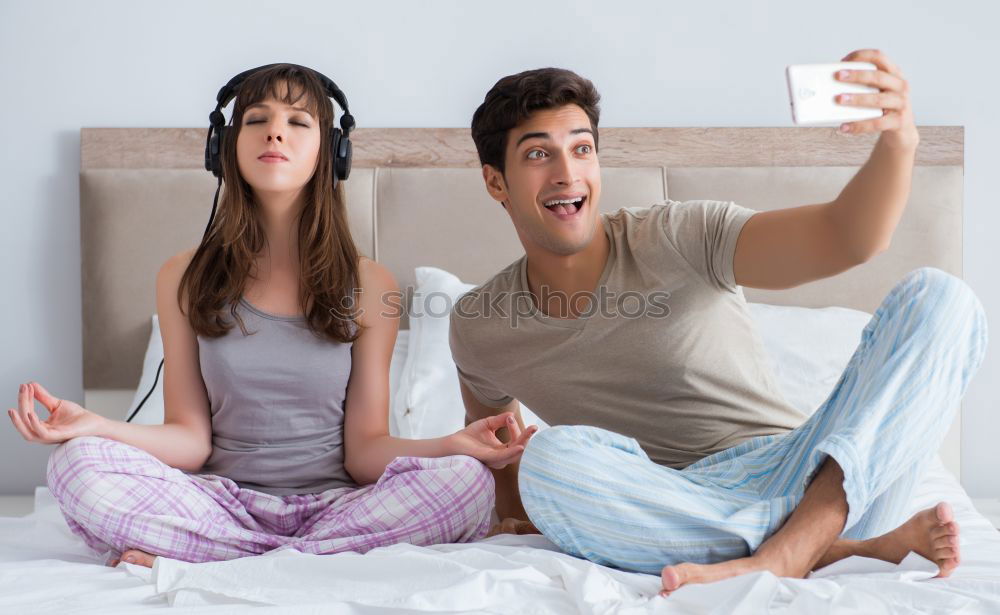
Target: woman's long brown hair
{"type": "Point", "coordinates": [217, 275]}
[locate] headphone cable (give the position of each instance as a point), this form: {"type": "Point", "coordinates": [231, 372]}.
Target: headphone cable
{"type": "Point", "coordinates": [159, 369]}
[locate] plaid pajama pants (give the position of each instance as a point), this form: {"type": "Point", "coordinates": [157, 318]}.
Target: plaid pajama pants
{"type": "Point", "coordinates": [596, 494]}
{"type": "Point", "coordinates": [118, 497]}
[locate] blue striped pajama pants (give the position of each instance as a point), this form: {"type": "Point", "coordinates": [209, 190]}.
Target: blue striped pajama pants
{"type": "Point", "coordinates": [597, 495]}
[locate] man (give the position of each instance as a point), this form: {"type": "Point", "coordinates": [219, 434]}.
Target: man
{"type": "Point", "coordinates": [672, 450]}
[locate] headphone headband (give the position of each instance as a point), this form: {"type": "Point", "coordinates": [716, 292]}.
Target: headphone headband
{"type": "Point", "coordinates": [228, 92]}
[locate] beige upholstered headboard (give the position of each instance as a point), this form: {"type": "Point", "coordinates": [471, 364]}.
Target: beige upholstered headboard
{"type": "Point", "coordinates": [416, 198]}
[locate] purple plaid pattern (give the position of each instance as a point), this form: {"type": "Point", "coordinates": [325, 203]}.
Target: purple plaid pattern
{"type": "Point", "coordinates": [118, 497]}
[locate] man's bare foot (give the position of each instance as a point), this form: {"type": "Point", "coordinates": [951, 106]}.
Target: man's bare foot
{"type": "Point", "coordinates": [931, 533]}
{"type": "Point", "coordinates": [137, 557]}
{"type": "Point", "coordinates": [802, 539]}
{"type": "Point", "coordinates": [673, 577]}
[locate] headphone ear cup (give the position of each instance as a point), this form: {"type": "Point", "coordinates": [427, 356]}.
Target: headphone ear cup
{"type": "Point", "coordinates": [213, 156]}
{"type": "Point", "coordinates": [340, 144]}
{"type": "Point", "coordinates": [345, 157]}
{"type": "Point", "coordinates": [335, 135]}
{"type": "Point", "coordinates": [210, 152]}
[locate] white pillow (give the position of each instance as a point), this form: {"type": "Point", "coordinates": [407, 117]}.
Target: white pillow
{"type": "Point", "coordinates": [152, 411]}
{"type": "Point", "coordinates": [429, 401]}
{"type": "Point", "coordinates": [399, 352]}
{"type": "Point", "coordinates": [808, 348]}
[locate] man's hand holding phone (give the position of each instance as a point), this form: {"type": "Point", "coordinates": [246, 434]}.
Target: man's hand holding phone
{"type": "Point", "coordinates": [879, 100]}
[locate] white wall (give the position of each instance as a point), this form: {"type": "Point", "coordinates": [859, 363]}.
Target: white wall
{"type": "Point", "coordinates": [71, 64]}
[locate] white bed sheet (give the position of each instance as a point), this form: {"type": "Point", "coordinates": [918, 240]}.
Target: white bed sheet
{"type": "Point", "coordinates": [46, 569]}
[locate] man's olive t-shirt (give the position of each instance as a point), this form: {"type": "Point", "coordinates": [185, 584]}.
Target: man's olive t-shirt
{"type": "Point", "coordinates": [667, 352]}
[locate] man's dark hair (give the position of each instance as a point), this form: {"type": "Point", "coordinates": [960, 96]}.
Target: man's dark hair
{"type": "Point", "coordinates": [514, 98]}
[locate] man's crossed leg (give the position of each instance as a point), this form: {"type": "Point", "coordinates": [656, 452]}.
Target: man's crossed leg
{"type": "Point", "coordinates": [833, 487]}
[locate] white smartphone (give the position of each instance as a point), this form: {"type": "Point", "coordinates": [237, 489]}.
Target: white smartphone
{"type": "Point", "coordinates": [812, 89]}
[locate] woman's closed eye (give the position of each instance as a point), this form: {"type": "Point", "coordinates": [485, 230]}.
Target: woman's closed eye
{"type": "Point", "coordinates": [293, 122]}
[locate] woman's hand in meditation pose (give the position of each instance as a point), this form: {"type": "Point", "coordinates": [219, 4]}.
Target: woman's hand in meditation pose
{"type": "Point", "coordinates": [480, 440]}
{"type": "Point", "coordinates": [66, 419]}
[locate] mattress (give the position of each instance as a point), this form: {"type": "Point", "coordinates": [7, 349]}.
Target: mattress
{"type": "Point", "coordinates": [44, 568]}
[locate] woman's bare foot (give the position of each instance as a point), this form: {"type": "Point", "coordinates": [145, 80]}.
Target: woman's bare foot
{"type": "Point", "coordinates": [137, 557]}
{"type": "Point", "coordinates": [931, 533]}
{"type": "Point", "coordinates": [510, 525]}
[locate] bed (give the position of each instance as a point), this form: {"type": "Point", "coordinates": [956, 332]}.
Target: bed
{"type": "Point", "coordinates": [417, 205]}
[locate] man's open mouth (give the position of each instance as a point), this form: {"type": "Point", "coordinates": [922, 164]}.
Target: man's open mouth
{"type": "Point", "coordinates": [565, 207]}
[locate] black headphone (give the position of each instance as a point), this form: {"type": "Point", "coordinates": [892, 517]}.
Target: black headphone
{"type": "Point", "coordinates": [340, 138]}
{"type": "Point", "coordinates": [340, 144]}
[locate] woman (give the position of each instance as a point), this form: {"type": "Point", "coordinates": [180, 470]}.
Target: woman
{"type": "Point", "coordinates": [277, 341]}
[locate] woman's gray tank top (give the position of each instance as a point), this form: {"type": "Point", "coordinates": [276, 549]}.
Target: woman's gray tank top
{"type": "Point", "coordinates": [277, 400]}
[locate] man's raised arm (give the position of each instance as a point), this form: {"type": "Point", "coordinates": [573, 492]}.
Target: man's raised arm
{"type": "Point", "coordinates": [788, 247]}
